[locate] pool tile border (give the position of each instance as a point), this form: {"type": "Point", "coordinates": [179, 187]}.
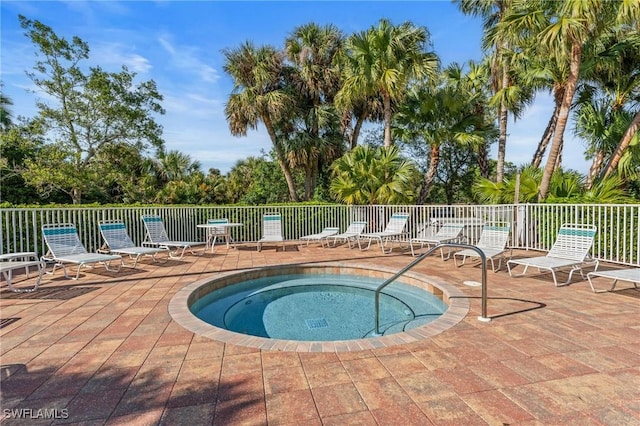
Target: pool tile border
{"type": "Point", "coordinates": [456, 300]}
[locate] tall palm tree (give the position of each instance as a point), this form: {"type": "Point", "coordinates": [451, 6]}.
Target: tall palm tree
{"type": "Point", "coordinates": [451, 112]}
{"type": "Point", "coordinates": [619, 76]}
{"type": "Point", "coordinates": [506, 95]}
{"type": "Point", "coordinates": [260, 95]}
{"type": "Point", "coordinates": [561, 29]}
{"type": "Point", "coordinates": [384, 60]}
{"type": "Point", "coordinates": [313, 50]}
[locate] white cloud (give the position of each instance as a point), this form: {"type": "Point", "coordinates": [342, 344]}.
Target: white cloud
{"type": "Point", "coordinates": [117, 54]}
{"type": "Point", "coordinates": [185, 58]}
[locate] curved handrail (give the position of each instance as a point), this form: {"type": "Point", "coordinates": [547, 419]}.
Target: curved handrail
{"type": "Point", "coordinates": [418, 260]}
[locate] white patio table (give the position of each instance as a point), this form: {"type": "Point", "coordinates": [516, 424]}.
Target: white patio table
{"type": "Point", "coordinates": [226, 225]}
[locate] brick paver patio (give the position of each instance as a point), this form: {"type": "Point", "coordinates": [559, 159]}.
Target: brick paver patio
{"type": "Point", "coordinates": [105, 350]}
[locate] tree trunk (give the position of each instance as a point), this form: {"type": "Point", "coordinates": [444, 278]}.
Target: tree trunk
{"type": "Point", "coordinates": [483, 163]}
{"type": "Point", "coordinates": [430, 175]}
{"type": "Point", "coordinates": [76, 195]}
{"type": "Point", "coordinates": [559, 157]}
{"type": "Point", "coordinates": [356, 130]}
{"type": "Point", "coordinates": [314, 177]}
{"type": "Point", "coordinates": [548, 132]}
{"type": "Point", "coordinates": [293, 196]}
{"type": "Point", "coordinates": [594, 170]}
{"type": "Point", "coordinates": [387, 119]}
{"type": "Point", "coordinates": [308, 181]}
{"type": "Point", "coordinates": [623, 145]}
{"type": "Point", "coordinates": [282, 161]}
{"type": "Point", "coordinates": [502, 139]}
{"type": "Point", "coordinates": [563, 116]}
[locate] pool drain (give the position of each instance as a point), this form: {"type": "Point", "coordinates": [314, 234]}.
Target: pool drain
{"type": "Point", "coordinates": [316, 323]}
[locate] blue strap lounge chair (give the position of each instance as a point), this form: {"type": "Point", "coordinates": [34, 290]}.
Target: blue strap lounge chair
{"type": "Point", "coordinates": [157, 237]}
{"type": "Point", "coordinates": [350, 235]}
{"type": "Point", "coordinates": [117, 241]}
{"type": "Point", "coordinates": [64, 247]}
{"type": "Point", "coordinates": [321, 236]}
{"type": "Point", "coordinates": [631, 275]}
{"type": "Point", "coordinates": [569, 252]}
{"type": "Point", "coordinates": [393, 232]}
{"type": "Point", "coordinates": [271, 230]}
{"type": "Point", "coordinates": [493, 243]}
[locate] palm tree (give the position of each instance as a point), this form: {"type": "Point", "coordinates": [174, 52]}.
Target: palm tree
{"type": "Point", "coordinates": [355, 111]}
{"type": "Point", "coordinates": [452, 112]}
{"type": "Point", "coordinates": [565, 186]}
{"type": "Point", "coordinates": [260, 95]}
{"type": "Point", "coordinates": [620, 77]}
{"type": "Point", "coordinates": [5, 112]}
{"type": "Point", "coordinates": [507, 97]}
{"type": "Point", "coordinates": [313, 51]}
{"type": "Point", "coordinates": [368, 175]}
{"type": "Point", "coordinates": [384, 60]}
{"type": "Point", "coordinates": [561, 29]}
{"type": "Point", "coordinates": [174, 166]}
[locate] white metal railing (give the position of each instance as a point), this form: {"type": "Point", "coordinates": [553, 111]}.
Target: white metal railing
{"type": "Point", "coordinates": [534, 225]}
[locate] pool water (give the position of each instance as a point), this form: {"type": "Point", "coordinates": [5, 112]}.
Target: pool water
{"type": "Point", "coordinates": [317, 307]}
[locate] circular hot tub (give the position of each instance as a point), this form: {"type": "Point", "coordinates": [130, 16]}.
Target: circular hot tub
{"type": "Point", "coordinates": [328, 307]}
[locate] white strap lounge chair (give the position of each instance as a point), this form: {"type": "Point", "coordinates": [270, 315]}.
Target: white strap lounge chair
{"type": "Point", "coordinates": [349, 236]}
{"type": "Point", "coordinates": [271, 230]}
{"type": "Point", "coordinates": [10, 262]}
{"type": "Point", "coordinates": [570, 252]}
{"type": "Point", "coordinates": [218, 232]}
{"type": "Point", "coordinates": [157, 237]}
{"type": "Point", "coordinates": [117, 241]}
{"type": "Point", "coordinates": [447, 233]}
{"type": "Point", "coordinates": [631, 275]}
{"type": "Point", "coordinates": [64, 246]}
{"type": "Point", "coordinates": [321, 236]}
{"type": "Point", "coordinates": [493, 243]}
{"type": "Point", "coordinates": [392, 233]}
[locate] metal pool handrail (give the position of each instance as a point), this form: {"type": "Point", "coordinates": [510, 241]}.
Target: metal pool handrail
{"type": "Point", "coordinates": [483, 259]}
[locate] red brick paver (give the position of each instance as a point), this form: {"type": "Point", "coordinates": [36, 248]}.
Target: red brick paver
{"type": "Point", "coordinates": [105, 350]}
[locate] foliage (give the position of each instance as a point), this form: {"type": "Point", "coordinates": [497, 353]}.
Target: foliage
{"type": "Point", "coordinates": [6, 119]}
{"type": "Point", "coordinates": [256, 181]}
{"type": "Point", "coordinates": [91, 139]}
{"type": "Point", "coordinates": [383, 61]}
{"type": "Point", "coordinates": [19, 143]}
{"type": "Point", "coordinates": [566, 187]}
{"type": "Point", "coordinates": [91, 111]}
{"type": "Point", "coordinates": [315, 140]}
{"type": "Point", "coordinates": [452, 112]}
{"type": "Point", "coordinates": [368, 175]}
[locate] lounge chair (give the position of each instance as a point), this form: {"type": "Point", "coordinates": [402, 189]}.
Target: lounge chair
{"type": "Point", "coordinates": [570, 252]}
{"type": "Point", "coordinates": [157, 237]}
{"type": "Point", "coordinates": [271, 230]}
{"type": "Point", "coordinates": [64, 246]}
{"type": "Point", "coordinates": [117, 241]}
{"type": "Point", "coordinates": [631, 275]}
{"type": "Point", "coordinates": [392, 233]}
{"type": "Point", "coordinates": [493, 243]}
{"type": "Point", "coordinates": [10, 262]}
{"type": "Point", "coordinates": [321, 236]}
{"type": "Point", "coordinates": [449, 232]}
{"type": "Point", "coordinates": [349, 236]}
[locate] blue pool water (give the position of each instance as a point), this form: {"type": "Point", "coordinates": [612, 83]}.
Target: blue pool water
{"type": "Point", "coordinates": [316, 307]}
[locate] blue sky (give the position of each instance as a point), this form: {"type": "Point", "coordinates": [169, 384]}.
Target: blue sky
{"type": "Point", "coordinates": [178, 44]}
